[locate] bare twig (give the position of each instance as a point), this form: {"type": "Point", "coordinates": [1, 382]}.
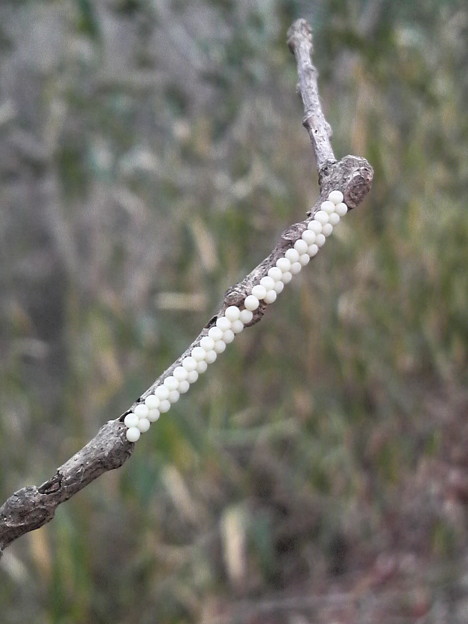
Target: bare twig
{"type": "Point", "coordinates": [352, 175]}
{"type": "Point", "coordinates": [300, 44]}
{"type": "Point", "coordinates": [32, 506]}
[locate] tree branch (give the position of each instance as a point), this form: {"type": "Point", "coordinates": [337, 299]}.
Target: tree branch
{"type": "Point", "coordinates": [31, 507]}
{"type": "Point", "coordinates": [301, 45]}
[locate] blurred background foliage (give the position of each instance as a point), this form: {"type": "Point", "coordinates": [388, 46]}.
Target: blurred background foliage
{"type": "Point", "coordinates": [151, 151]}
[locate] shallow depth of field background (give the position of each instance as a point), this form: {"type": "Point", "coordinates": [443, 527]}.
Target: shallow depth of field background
{"type": "Point", "coordinates": [150, 154]}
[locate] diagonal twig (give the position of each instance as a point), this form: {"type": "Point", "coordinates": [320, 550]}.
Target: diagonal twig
{"type": "Point", "coordinates": [31, 507]}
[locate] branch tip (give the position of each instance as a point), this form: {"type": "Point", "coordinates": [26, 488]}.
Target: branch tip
{"type": "Point", "coordinates": [31, 507]}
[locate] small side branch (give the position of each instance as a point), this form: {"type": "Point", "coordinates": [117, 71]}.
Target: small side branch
{"type": "Point", "coordinates": [32, 506]}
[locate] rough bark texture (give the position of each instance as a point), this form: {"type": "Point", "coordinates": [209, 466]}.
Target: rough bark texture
{"type": "Point", "coordinates": [31, 507]}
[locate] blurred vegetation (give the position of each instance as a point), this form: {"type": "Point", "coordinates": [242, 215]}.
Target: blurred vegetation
{"type": "Point", "coordinates": [150, 154]}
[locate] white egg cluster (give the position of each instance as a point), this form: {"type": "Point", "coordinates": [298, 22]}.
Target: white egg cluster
{"type": "Point", "coordinates": [235, 319]}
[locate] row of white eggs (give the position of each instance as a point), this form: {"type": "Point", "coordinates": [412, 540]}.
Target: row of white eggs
{"type": "Point", "coordinates": [139, 420]}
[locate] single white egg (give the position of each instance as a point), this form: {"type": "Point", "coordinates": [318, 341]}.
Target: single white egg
{"type": "Point", "coordinates": [232, 313]}
{"type": "Point", "coordinates": [251, 302]}
{"type": "Point", "coordinates": [131, 420]}
{"type": "Point", "coordinates": [336, 197]}
{"type": "Point", "coordinates": [133, 434]}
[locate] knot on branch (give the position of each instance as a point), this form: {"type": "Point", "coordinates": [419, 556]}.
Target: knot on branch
{"type": "Point", "coordinates": [235, 295]}
{"type": "Point", "coordinates": [359, 184]}
{"type": "Point", "coordinates": [292, 233]}
{"type": "Point", "coordinates": [52, 485]}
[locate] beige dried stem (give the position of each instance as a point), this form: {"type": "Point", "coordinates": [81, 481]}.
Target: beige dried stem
{"type": "Point", "coordinates": [33, 506]}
